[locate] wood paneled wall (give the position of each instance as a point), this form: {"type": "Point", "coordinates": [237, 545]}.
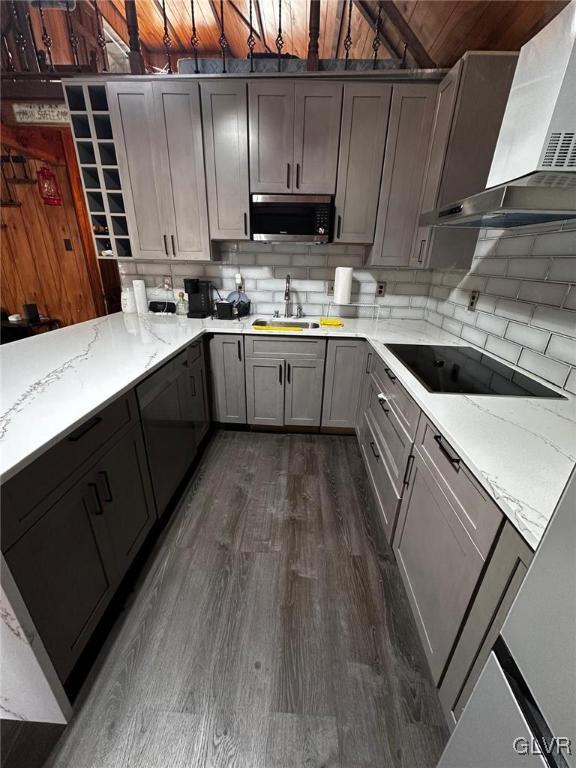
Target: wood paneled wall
{"type": "Point", "coordinates": [44, 257]}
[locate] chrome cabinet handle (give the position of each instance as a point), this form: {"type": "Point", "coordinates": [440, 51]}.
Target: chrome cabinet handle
{"type": "Point", "coordinates": [408, 472]}
{"type": "Point", "coordinates": [374, 451]}
{"type": "Point", "coordinates": [448, 452]}
{"type": "Point", "coordinates": [165, 245]}
{"type": "Point", "coordinates": [422, 243]}
{"type": "Point", "coordinates": [383, 402]}
{"type": "Point", "coordinates": [173, 245]}
{"type": "Point", "coordinates": [390, 375]}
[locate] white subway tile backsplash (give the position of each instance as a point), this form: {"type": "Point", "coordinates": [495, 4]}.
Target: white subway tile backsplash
{"type": "Point", "coordinates": [490, 266]}
{"type": "Point", "coordinates": [294, 272]}
{"type": "Point", "coordinates": [474, 336]}
{"type": "Point", "coordinates": [562, 348]}
{"type": "Point", "coordinates": [505, 349]}
{"type": "Point", "coordinates": [543, 293]}
{"type": "Point", "coordinates": [503, 287]}
{"type": "Point", "coordinates": [527, 337]}
{"type": "Point", "coordinates": [452, 326]}
{"type": "Point", "coordinates": [529, 268]}
{"type": "Point", "coordinates": [563, 270]}
{"type": "Point", "coordinates": [492, 324]}
{"type": "Point", "coordinates": [555, 244]}
{"type": "Point", "coordinates": [346, 260]}
{"type": "Point", "coordinates": [486, 303]}
{"type": "Point", "coordinates": [549, 369]}
{"type": "Point", "coordinates": [559, 320]}
{"type": "Point", "coordinates": [515, 246]}
{"type": "Point", "coordinates": [570, 301]}
{"type": "Point", "coordinates": [571, 381]}
{"type": "Point", "coordinates": [514, 310]}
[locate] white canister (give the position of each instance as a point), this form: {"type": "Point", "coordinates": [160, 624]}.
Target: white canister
{"type": "Point", "coordinates": [140, 296]}
{"type": "Point", "coordinates": [343, 285]}
{"type": "Point", "coordinates": [127, 300]}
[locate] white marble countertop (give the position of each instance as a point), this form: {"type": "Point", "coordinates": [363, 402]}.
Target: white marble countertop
{"type": "Point", "coordinates": [522, 450]}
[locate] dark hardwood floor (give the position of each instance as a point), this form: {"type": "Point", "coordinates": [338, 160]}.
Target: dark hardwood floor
{"type": "Point", "coordinates": [270, 630]}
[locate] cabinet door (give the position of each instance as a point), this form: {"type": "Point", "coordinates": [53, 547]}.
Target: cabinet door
{"type": "Point", "coordinates": [344, 366]}
{"type": "Point", "coordinates": [265, 391]}
{"type": "Point", "coordinates": [228, 380]}
{"type": "Point", "coordinates": [135, 137]}
{"type": "Point", "coordinates": [182, 179]}
{"type": "Point", "coordinates": [438, 562]}
{"type": "Point", "coordinates": [271, 115]}
{"type": "Point", "coordinates": [362, 139]}
{"type": "Point", "coordinates": [411, 116]}
{"type": "Point", "coordinates": [316, 133]}
{"type": "Point", "coordinates": [197, 409]}
{"type": "Point", "coordinates": [65, 573]}
{"type": "Point", "coordinates": [303, 392]}
{"type": "Point", "coordinates": [225, 119]}
{"type": "Point", "coordinates": [126, 494]}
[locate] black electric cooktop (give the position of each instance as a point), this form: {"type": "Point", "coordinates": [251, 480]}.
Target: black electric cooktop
{"type": "Point", "coordinates": [467, 371]}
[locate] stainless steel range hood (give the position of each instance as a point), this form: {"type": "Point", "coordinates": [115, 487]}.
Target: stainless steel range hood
{"type": "Point", "coordinates": [532, 178]}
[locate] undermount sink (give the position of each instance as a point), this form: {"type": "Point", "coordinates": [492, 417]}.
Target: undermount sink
{"type": "Point", "coordinates": [276, 323]}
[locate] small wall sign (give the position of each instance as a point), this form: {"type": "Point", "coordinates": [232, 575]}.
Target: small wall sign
{"type": "Point", "coordinates": [36, 112]}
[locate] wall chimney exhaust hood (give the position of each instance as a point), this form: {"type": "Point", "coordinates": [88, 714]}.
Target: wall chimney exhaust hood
{"type": "Point", "coordinates": [532, 178]}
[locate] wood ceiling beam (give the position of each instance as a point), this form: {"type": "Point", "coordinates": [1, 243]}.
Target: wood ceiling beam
{"type": "Point", "coordinates": [261, 23]}
{"type": "Point", "coordinates": [337, 29]}
{"type": "Point", "coordinates": [420, 54]}
{"type": "Point", "coordinates": [367, 14]}
{"type": "Point", "coordinates": [246, 23]}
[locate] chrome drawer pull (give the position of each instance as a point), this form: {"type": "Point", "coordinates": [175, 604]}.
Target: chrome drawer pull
{"type": "Point", "coordinates": [383, 402]}
{"type": "Point", "coordinates": [390, 374]}
{"type": "Point", "coordinates": [450, 455]}
{"type": "Point", "coordinates": [376, 454]}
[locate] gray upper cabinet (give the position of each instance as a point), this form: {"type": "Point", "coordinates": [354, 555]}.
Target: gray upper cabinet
{"type": "Point", "coordinates": [471, 102]}
{"type": "Point", "coordinates": [131, 109]}
{"type": "Point", "coordinates": [265, 391]}
{"type": "Point", "coordinates": [303, 392]}
{"type": "Point", "coordinates": [316, 133]}
{"type": "Point", "coordinates": [225, 120]}
{"type": "Point", "coordinates": [410, 125]}
{"type": "Point", "coordinates": [344, 365]}
{"type": "Point", "coordinates": [271, 115]}
{"type": "Point", "coordinates": [158, 135]}
{"type": "Point", "coordinates": [362, 139]}
{"type": "Point", "coordinates": [294, 130]}
{"type": "Point", "coordinates": [228, 379]}
{"type": "Point", "coordinates": [182, 180]}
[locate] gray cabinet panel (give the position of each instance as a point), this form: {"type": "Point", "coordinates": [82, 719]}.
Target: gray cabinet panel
{"type": "Point", "coordinates": [485, 734]}
{"type": "Point", "coordinates": [65, 572]}
{"type": "Point", "coordinates": [272, 346]}
{"type": "Point", "coordinates": [404, 407]}
{"type": "Point", "coordinates": [316, 132]}
{"type": "Point", "coordinates": [362, 139]}
{"type": "Point", "coordinates": [271, 116]}
{"type": "Point", "coordinates": [411, 116]}
{"type": "Point", "coordinates": [197, 408]}
{"type": "Point", "coordinates": [228, 380]}
{"type": "Point", "coordinates": [344, 361]}
{"type": "Point", "coordinates": [438, 562]}
{"type": "Point", "coordinates": [225, 120]}
{"type": "Point", "coordinates": [265, 391]}
{"type": "Point", "coordinates": [131, 113]}
{"type": "Point", "coordinates": [182, 179]}
{"type": "Point", "coordinates": [303, 392]}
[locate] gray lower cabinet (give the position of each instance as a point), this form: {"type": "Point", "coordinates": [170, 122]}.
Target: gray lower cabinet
{"type": "Point", "coordinates": [362, 139]}
{"type": "Point", "coordinates": [265, 391]}
{"type": "Point", "coordinates": [196, 407]}
{"type": "Point", "coordinates": [225, 122]}
{"type": "Point", "coordinates": [446, 528]}
{"type": "Point", "coordinates": [303, 392]}
{"type": "Point", "coordinates": [344, 365]}
{"type": "Point", "coordinates": [68, 563]}
{"type": "Point", "coordinates": [228, 378]}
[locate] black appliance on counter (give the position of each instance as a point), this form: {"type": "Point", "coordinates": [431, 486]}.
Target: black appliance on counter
{"type": "Point", "coordinates": [466, 370]}
{"type": "Point", "coordinates": [292, 218]}
{"type": "Point", "coordinates": [199, 297]}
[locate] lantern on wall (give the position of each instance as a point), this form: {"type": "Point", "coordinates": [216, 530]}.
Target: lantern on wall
{"type": "Point", "coordinates": [48, 187]}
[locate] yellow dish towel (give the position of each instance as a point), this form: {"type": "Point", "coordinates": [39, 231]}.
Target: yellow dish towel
{"type": "Point", "coordinates": [333, 322]}
{"type": "Point", "coordinates": [290, 328]}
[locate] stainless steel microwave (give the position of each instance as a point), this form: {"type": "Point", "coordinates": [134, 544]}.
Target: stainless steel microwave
{"type": "Point", "coordinates": [292, 218]}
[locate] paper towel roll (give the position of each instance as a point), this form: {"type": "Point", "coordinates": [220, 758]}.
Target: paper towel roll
{"type": "Point", "coordinates": [343, 285]}
{"type": "Point", "coordinates": [140, 296]}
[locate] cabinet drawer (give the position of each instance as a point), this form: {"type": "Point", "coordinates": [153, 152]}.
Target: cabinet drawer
{"type": "Point", "coordinates": [406, 409]}
{"type": "Point", "coordinates": [22, 496]}
{"type": "Point", "coordinates": [387, 498]}
{"type": "Point", "coordinates": [262, 346]}
{"type": "Point", "coordinates": [476, 510]}
{"type": "Point", "coordinates": [395, 442]}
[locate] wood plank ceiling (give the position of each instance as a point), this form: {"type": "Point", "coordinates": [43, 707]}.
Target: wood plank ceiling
{"type": "Point", "coordinates": [437, 32]}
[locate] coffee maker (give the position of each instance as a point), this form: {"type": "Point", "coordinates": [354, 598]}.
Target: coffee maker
{"type": "Point", "coordinates": [199, 297]}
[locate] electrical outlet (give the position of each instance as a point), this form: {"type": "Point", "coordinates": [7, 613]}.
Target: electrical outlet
{"type": "Point", "coordinates": [330, 288]}
{"type": "Point", "coordinates": [380, 289]}
{"type": "Point", "coordinates": [473, 300]}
